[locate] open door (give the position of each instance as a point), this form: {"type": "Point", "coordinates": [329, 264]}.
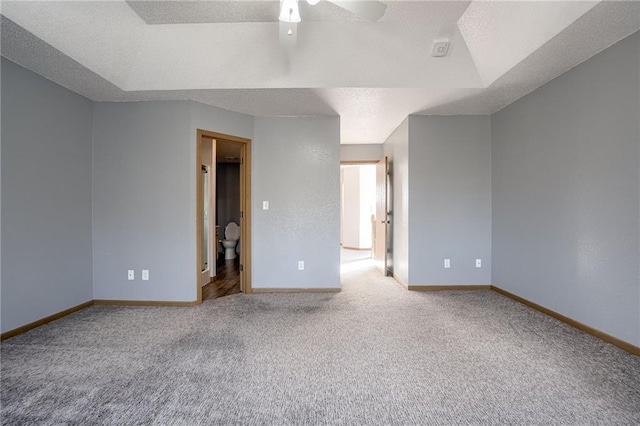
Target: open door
{"type": "Point", "coordinates": [245, 221]}
{"type": "Point", "coordinates": [382, 222]}
{"type": "Point", "coordinates": [208, 145]}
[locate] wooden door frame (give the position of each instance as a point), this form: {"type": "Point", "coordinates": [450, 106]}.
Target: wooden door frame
{"type": "Point", "coordinates": [245, 207]}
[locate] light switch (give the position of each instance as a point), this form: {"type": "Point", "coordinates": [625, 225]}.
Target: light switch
{"type": "Point", "coordinates": [478, 263]}
{"type": "Point", "coordinates": [265, 205]}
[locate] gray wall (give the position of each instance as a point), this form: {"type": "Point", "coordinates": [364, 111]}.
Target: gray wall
{"type": "Point", "coordinates": [1, 329]}
{"type": "Point", "coordinates": [296, 167]}
{"type": "Point", "coordinates": [566, 185]}
{"type": "Point", "coordinates": [361, 152]}
{"type": "Point", "coordinates": [144, 195]}
{"type": "Point", "coordinates": [46, 197]}
{"type": "Point", "coordinates": [396, 148]}
{"type": "Point", "coordinates": [450, 199]}
{"type": "Point", "coordinates": [142, 213]}
{"type": "Point", "coordinates": [206, 117]}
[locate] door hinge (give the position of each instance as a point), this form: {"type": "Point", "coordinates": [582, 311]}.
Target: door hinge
{"type": "Point", "coordinates": [241, 268]}
{"type": "Point", "coordinates": [241, 215]}
{"type": "Point", "coordinates": [241, 160]}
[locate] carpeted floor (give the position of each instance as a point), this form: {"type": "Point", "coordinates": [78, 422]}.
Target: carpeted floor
{"type": "Point", "coordinates": [372, 354]}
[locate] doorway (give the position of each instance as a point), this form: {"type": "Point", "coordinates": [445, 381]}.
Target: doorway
{"type": "Point", "coordinates": [358, 206]}
{"type": "Point", "coordinates": [357, 214]}
{"type": "Point", "coordinates": [365, 214]}
{"type": "Point", "coordinates": [223, 188]}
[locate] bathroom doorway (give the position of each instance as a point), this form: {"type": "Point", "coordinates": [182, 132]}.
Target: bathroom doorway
{"type": "Point", "coordinates": [223, 231]}
{"type": "Point", "coordinates": [227, 222]}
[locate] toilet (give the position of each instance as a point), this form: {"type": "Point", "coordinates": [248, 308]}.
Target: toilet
{"type": "Point", "coordinates": [231, 236]}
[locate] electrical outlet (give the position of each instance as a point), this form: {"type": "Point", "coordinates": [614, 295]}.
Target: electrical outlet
{"type": "Point", "coordinates": [145, 275]}
{"type": "Point", "coordinates": [447, 263]}
{"type": "Point", "coordinates": [478, 263]}
{"type": "Point", "coordinates": [131, 275]}
{"type": "Point", "coordinates": [301, 265]}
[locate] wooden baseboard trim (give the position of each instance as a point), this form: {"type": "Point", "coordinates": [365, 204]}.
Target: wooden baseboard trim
{"type": "Point", "coordinates": [576, 324]}
{"type": "Point", "coordinates": [412, 287]}
{"type": "Point", "coordinates": [45, 320]}
{"type": "Point", "coordinates": [399, 281]}
{"type": "Point", "coordinates": [449, 287]}
{"type": "Point", "coordinates": [143, 303]}
{"type": "Point", "coordinates": [296, 290]}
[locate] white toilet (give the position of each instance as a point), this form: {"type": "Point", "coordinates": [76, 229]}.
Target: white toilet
{"type": "Point", "coordinates": [231, 236]}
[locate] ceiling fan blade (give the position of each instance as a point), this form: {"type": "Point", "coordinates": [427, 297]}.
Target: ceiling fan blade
{"type": "Point", "coordinates": [371, 10]}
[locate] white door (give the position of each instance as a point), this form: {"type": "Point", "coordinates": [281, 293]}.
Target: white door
{"type": "Point", "coordinates": [382, 221]}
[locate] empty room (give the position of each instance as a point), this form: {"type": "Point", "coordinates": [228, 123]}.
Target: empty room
{"type": "Point", "coordinates": [178, 246]}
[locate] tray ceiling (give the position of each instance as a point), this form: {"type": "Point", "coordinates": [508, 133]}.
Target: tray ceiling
{"type": "Point", "coordinates": [371, 74]}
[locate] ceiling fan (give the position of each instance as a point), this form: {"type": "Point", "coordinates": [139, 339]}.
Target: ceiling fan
{"type": "Point", "coordinates": [371, 10]}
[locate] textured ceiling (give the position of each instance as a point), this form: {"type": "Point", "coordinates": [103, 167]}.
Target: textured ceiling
{"type": "Point", "coordinates": [372, 74]}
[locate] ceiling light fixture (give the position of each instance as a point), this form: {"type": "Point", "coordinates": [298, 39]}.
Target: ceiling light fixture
{"type": "Point", "coordinates": [313, 2]}
{"type": "Point", "coordinates": [289, 11]}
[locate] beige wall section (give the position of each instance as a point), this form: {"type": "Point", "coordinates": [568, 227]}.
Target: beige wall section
{"type": "Point", "coordinates": [358, 204]}
{"type": "Point", "coordinates": [371, 152]}
{"type": "Point", "coordinates": [351, 207]}
{"type": "Point", "coordinates": [206, 153]}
